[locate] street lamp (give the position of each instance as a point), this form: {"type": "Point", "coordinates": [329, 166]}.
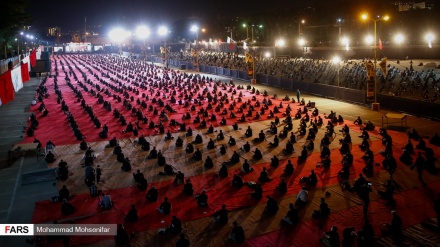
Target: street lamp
{"type": "Point", "coordinates": [398, 39]}
{"type": "Point", "coordinates": [142, 32]}
{"type": "Point", "coordinates": [118, 35]}
{"type": "Point", "coordinates": [345, 42]}
{"type": "Point", "coordinates": [163, 31]}
{"type": "Point", "coordinates": [247, 31]}
{"type": "Point", "coordinates": [259, 26]}
{"type": "Point", "coordinates": [195, 29]}
{"type": "Point", "coordinates": [278, 43]}
{"type": "Point", "coordinates": [429, 37]}
{"type": "Point", "coordinates": [375, 105]}
{"type": "Point", "coordinates": [337, 60]}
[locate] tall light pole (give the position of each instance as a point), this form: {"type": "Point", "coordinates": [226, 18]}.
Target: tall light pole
{"type": "Point", "coordinates": [195, 29]}
{"type": "Point", "coordinates": [247, 30]}
{"type": "Point", "coordinates": [142, 32]}
{"type": "Point", "coordinates": [259, 26]}
{"type": "Point", "coordinates": [375, 106]}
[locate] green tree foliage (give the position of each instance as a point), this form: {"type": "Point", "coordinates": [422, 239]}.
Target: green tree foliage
{"type": "Point", "coordinates": [12, 19]}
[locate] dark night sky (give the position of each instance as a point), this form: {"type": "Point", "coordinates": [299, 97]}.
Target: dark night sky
{"type": "Point", "coordinates": [70, 14]}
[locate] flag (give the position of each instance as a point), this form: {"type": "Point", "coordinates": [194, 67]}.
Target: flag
{"type": "Point", "coordinates": [383, 66]}
{"type": "Point", "coordinates": [6, 88]}
{"type": "Point", "coordinates": [24, 73]}
{"type": "Point", "coordinates": [17, 81]}
{"type": "Point", "coordinates": [33, 58]}
{"type": "Point", "coordinates": [370, 70]}
{"type": "Point", "coordinates": [244, 45]}
{"type": "Point", "coordinates": [380, 44]}
{"type": "Point", "coordinates": [231, 46]}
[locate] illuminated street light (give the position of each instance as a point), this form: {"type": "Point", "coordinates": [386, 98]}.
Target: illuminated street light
{"type": "Point", "coordinates": [118, 35]}
{"type": "Point", "coordinates": [267, 54]}
{"type": "Point", "coordinates": [163, 31]}
{"type": "Point", "coordinates": [375, 105]}
{"type": "Point", "coordinates": [399, 38]}
{"type": "Point", "coordinates": [280, 42]}
{"type": "Point", "coordinates": [345, 42]}
{"type": "Point", "coordinates": [429, 37]}
{"type": "Point", "coordinates": [195, 29]}
{"type": "Point", "coordinates": [301, 42]}
{"type": "Point", "coordinates": [142, 32]}
{"type": "Point", "coordinates": [369, 40]}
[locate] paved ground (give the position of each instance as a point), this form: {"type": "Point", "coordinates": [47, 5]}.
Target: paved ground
{"type": "Point", "coordinates": [17, 199]}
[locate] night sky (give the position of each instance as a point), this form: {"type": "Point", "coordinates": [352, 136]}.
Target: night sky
{"type": "Point", "coordinates": [69, 15]}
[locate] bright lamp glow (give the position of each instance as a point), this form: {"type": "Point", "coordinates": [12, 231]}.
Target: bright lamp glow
{"type": "Point", "coordinates": [301, 42]}
{"type": "Point", "coordinates": [142, 32]}
{"type": "Point", "coordinates": [344, 40]}
{"type": "Point", "coordinates": [386, 18]}
{"type": "Point", "coordinates": [429, 37]}
{"type": "Point", "coordinates": [163, 30]}
{"type": "Point", "coordinates": [369, 40]}
{"type": "Point", "coordinates": [244, 25]}
{"type": "Point", "coordinates": [364, 16]}
{"type": "Point", "coordinates": [119, 34]}
{"type": "Point", "coordinates": [267, 54]}
{"type": "Point", "coordinates": [194, 28]}
{"type": "Point", "coordinates": [336, 59]}
{"type": "Point", "coordinates": [399, 38]}
{"type": "Point", "coordinates": [280, 42]}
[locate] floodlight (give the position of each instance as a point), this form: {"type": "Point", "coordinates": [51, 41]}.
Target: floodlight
{"type": "Point", "coordinates": [142, 32]}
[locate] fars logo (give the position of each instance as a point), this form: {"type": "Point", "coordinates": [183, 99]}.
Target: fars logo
{"type": "Point", "coordinates": [16, 229]}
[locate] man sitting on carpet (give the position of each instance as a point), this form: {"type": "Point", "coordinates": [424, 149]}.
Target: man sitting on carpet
{"type": "Point", "coordinates": [301, 198]}
{"type": "Point", "coordinates": [165, 206]}
{"type": "Point", "coordinates": [132, 215]}
{"type": "Point", "coordinates": [63, 193]}
{"type": "Point", "coordinates": [237, 233]}
{"type": "Point", "coordinates": [67, 208]}
{"type": "Point", "coordinates": [202, 199]}
{"type": "Point", "coordinates": [152, 194]}
{"type": "Point", "coordinates": [221, 216]}
{"type": "Point", "coordinates": [50, 157]}
{"type": "Point", "coordinates": [175, 226]}
{"type": "Point", "coordinates": [105, 201]}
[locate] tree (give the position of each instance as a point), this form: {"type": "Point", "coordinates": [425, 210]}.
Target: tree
{"type": "Point", "coordinates": [13, 18]}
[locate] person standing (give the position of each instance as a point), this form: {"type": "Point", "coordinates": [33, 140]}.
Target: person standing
{"type": "Point", "coordinates": [298, 95]}
{"type": "Point", "coordinates": [419, 165]}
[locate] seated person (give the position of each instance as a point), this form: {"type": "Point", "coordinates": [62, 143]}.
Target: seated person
{"type": "Point", "coordinates": [63, 193]}
{"type": "Point", "coordinates": [246, 147]}
{"type": "Point", "coordinates": [289, 147]}
{"type": "Point", "coordinates": [235, 126]}
{"type": "Point", "coordinates": [180, 178]}
{"type": "Point", "coordinates": [50, 157]}
{"type": "Point", "coordinates": [198, 139]}
{"type": "Point", "coordinates": [126, 166]}
{"type": "Point", "coordinates": [257, 154]}
{"type": "Point", "coordinates": [67, 208]}
{"type": "Point", "coordinates": [211, 144]}
{"type": "Point", "coordinates": [175, 227]}
{"type": "Point", "coordinates": [235, 158]}
{"type": "Point", "coordinates": [331, 238]}
{"type": "Point", "coordinates": [83, 145]}
{"type": "Point", "coordinates": [221, 216]}
{"type": "Point", "coordinates": [365, 144]}
{"type": "Point", "coordinates": [246, 167]}
{"type": "Point", "coordinates": [208, 163]}
{"type": "Point", "coordinates": [275, 142]}
{"type": "Point", "coordinates": [257, 194]}
{"type": "Point", "coordinates": [165, 206]}
{"type": "Point", "coordinates": [387, 194]}
{"type": "Point", "coordinates": [413, 135]}
{"type": "Point", "coordinates": [369, 126]}
{"type": "Point", "coordinates": [223, 121]}
{"type": "Point", "coordinates": [188, 188]}
{"type": "Point", "coordinates": [152, 194]}
{"type": "Point", "coordinates": [261, 137]}
{"type": "Point", "coordinates": [310, 180]}
{"type": "Point", "coordinates": [223, 172]}
{"type": "Point", "coordinates": [189, 131]}
{"type": "Point", "coordinates": [274, 161]}
{"type": "Point", "coordinates": [282, 186]}
{"type": "Point", "coordinates": [324, 209]}
{"type": "Point", "coordinates": [237, 181]}
{"type": "Point", "coordinates": [202, 199]}
{"type": "Point", "coordinates": [132, 215]}
{"type": "Point", "coordinates": [292, 215]}
{"type": "Point", "coordinates": [421, 145]}
{"type": "Point", "coordinates": [152, 154]}
{"type": "Point", "coordinates": [197, 155]}
{"type": "Point", "coordinates": [264, 176]}
{"type": "Point", "coordinates": [248, 132]}
{"type": "Point", "coordinates": [289, 169]}
{"type": "Point", "coordinates": [358, 121]}
{"type": "Point", "coordinates": [231, 141]}
{"type": "Point", "coordinates": [409, 147]}
{"type": "Point", "coordinates": [223, 149]}
{"type": "Point", "coordinates": [189, 148]}
{"type": "Point", "coordinates": [168, 169]}
{"type": "Point", "coordinates": [301, 198]}
{"type": "Point", "coordinates": [105, 201]}
{"type": "Point", "coordinates": [122, 237]}
{"type": "Point", "coordinates": [435, 140]}
{"type": "Point", "coordinates": [237, 234]}
{"type": "Point", "coordinates": [271, 206]}
{"type": "Point", "coordinates": [179, 142]}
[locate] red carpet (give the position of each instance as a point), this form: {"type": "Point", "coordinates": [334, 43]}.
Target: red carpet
{"type": "Point", "coordinates": [414, 206]}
